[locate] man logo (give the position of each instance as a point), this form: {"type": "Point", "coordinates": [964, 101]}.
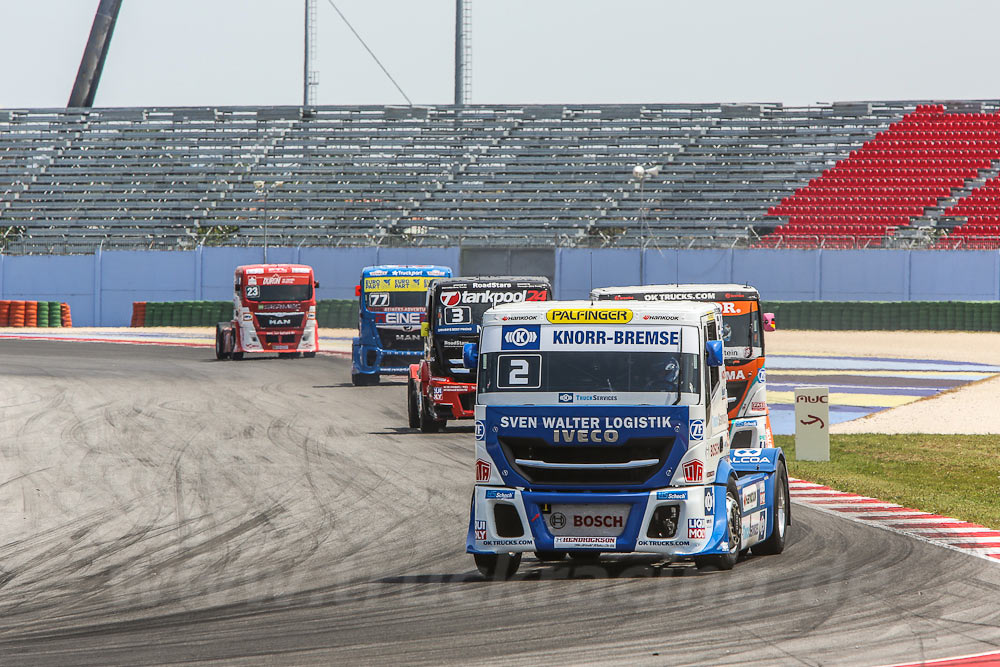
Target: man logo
{"type": "Point", "coordinates": [521, 336]}
{"type": "Point", "coordinates": [451, 298]}
{"type": "Point", "coordinates": [566, 397]}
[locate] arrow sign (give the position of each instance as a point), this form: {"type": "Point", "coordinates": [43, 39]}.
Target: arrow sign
{"type": "Point", "coordinates": [813, 420]}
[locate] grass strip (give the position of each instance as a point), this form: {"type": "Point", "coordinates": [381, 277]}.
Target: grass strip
{"type": "Point", "coordinates": [952, 475]}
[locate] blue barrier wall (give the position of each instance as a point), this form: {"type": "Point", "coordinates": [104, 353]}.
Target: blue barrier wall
{"type": "Point", "coordinates": [100, 288]}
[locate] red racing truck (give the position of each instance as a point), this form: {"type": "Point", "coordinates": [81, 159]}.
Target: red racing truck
{"type": "Point", "coordinates": [440, 386]}
{"type": "Point", "coordinates": [274, 310]}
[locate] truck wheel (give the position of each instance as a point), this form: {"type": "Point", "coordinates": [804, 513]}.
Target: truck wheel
{"type": "Point", "coordinates": [550, 556]}
{"type": "Point", "coordinates": [734, 524]}
{"type": "Point", "coordinates": [775, 544]}
{"type": "Point", "coordinates": [428, 422]}
{"type": "Point", "coordinates": [236, 356]}
{"type": "Point", "coordinates": [497, 566]}
{"type": "Point", "coordinates": [220, 343]}
{"type": "Point", "coordinates": [412, 415]}
{"type": "Point", "coordinates": [308, 355]}
{"type": "Point", "coordinates": [364, 379]}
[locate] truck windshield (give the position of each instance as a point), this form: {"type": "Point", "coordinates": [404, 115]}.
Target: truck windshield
{"type": "Point", "coordinates": [588, 371]}
{"type": "Point", "coordinates": [279, 292]}
{"type": "Point", "coordinates": [381, 301]}
{"type": "Point", "coordinates": [741, 330]}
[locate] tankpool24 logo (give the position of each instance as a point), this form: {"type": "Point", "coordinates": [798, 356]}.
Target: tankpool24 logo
{"type": "Point", "coordinates": [524, 337]}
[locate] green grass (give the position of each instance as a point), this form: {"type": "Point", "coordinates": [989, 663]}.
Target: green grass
{"type": "Point", "coordinates": [951, 475]}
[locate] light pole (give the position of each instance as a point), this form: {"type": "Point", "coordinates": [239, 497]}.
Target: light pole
{"type": "Point", "coordinates": [264, 189]}
{"type": "Point", "coordinates": [641, 173]}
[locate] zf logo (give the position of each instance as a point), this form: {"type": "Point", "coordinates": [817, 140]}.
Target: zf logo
{"type": "Point", "coordinates": [697, 429]}
{"type": "Point", "coordinates": [520, 337]}
{"type": "Point", "coordinates": [480, 430]}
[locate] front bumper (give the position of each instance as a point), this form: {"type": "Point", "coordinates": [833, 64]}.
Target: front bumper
{"type": "Point", "coordinates": [698, 531]}
{"type": "Point", "coordinates": [372, 359]}
{"type": "Point", "coordinates": [452, 400]}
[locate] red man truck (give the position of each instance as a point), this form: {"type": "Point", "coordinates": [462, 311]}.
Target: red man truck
{"type": "Point", "coordinates": [274, 310]}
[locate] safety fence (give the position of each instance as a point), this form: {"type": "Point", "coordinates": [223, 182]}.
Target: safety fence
{"type": "Point", "coordinates": [18, 313]}
{"type": "Point", "coordinates": [330, 313]}
{"type": "Point", "coordinates": [887, 315]}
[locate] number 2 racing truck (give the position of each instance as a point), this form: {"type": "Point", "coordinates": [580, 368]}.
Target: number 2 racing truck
{"type": "Point", "coordinates": [743, 334]}
{"type": "Point", "coordinates": [274, 310]}
{"type": "Point", "coordinates": [390, 309]}
{"type": "Point", "coordinates": [602, 427]}
{"type": "Point", "coordinates": [440, 386]}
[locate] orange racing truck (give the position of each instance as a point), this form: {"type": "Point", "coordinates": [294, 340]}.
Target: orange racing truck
{"type": "Point", "coordinates": [743, 332]}
{"type": "Point", "coordinates": [274, 310]}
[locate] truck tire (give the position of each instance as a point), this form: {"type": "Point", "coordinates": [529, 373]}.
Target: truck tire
{"type": "Point", "coordinates": [364, 379]}
{"type": "Point", "coordinates": [412, 407]}
{"type": "Point", "coordinates": [236, 356]}
{"type": "Point", "coordinates": [775, 544]}
{"type": "Point", "coordinates": [734, 524]}
{"type": "Point", "coordinates": [497, 566]}
{"type": "Point", "coordinates": [309, 355]}
{"type": "Point", "coordinates": [220, 342]}
{"type": "Point", "coordinates": [550, 556]}
{"type": "Point", "coordinates": [428, 422]}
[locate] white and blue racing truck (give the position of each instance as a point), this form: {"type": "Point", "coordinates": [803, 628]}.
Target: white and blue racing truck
{"type": "Point", "coordinates": [602, 427]}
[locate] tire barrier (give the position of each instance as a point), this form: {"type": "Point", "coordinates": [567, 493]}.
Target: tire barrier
{"type": "Point", "coordinates": [16, 313]}
{"type": "Point", "coordinates": [886, 315]}
{"type": "Point", "coordinates": [330, 313]}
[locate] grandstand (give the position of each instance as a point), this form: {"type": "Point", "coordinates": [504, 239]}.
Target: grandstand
{"type": "Point", "coordinates": [836, 175]}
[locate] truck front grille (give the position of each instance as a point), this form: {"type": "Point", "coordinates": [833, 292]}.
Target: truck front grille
{"type": "Point", "coordinates": [397, 339]}
{"type": "Point", "coordinates": [536, 450]}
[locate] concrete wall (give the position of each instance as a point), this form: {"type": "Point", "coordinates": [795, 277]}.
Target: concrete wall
{"type": "Point", "coordinates": [100, 288]}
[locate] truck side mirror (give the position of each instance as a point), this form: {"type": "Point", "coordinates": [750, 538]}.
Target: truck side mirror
{"type": "Point", "coordinates": [316, 285]}
{"type": "Point", "coordinates": [357, 290]}
{"type": "Point", "coordinates": [769, 322]}
{"type": "Point", "coordinates": [470, 355]}
{"type": "Point", "coordinates": [425, 329]}
{"type": "Point", "coordinates": [713, 350]}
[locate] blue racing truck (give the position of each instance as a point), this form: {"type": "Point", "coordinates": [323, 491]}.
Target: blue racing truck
{"type": "Point", "coordinates": [602, 427]}
{"type": "Point", "coordinates": [391, 303]}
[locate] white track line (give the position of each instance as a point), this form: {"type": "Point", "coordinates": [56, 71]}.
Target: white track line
{"type": "Point", "coordinates": [961, 536]}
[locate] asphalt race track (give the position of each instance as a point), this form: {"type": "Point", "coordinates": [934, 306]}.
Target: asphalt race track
{"type": "Point", "coordinates": [158, 506]}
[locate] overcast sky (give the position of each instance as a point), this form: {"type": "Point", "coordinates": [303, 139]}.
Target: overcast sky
{"type": "Point", "coordinates": [249, 52]}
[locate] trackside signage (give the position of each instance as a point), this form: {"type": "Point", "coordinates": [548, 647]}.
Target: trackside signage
{"type": "Point", "coordinates": [812, 423]}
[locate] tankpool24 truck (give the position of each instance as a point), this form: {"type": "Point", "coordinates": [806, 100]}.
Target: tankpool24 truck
{"type": "Point", "coordinates": [743, 334]}
{"type": "Point", "coordinates": [440, 386]}
{"type": "Point", "coordinates": [602, 427]}
{"type": "Point", "coordinates": [391, 300]}
{"type": "Point", "coordinates": [274, 310]}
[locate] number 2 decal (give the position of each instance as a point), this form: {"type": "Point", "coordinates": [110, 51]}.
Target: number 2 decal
{"type": "Point", "coordinates": [518, 372]}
